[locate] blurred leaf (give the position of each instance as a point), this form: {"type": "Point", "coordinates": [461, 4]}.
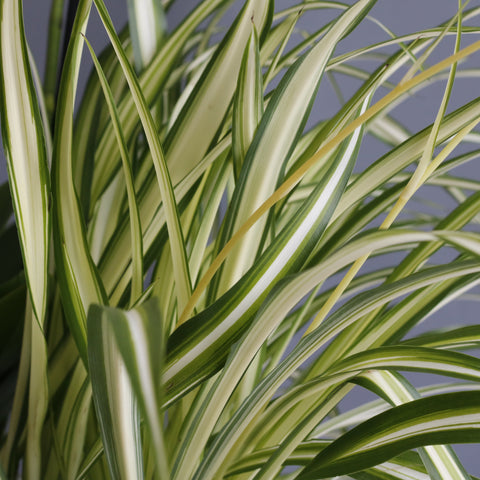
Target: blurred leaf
{"type": "Point", "coordinates": [11, 255]}
{"type": "Point", "coordinates": [6, 208]}
{"type": "Point", "coordinates": [147, 24]}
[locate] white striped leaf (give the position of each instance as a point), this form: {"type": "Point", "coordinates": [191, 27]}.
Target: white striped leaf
{"type": "Point", "coordinates": [447, 418]}
{"type": "Point", "coordinates": [147, 25]}
{"type": "Point", "coordinates": [424, 360]}
{"type": "Point", "coordinates": [24, 143]}
{"type": "Point", "coordinates": [404, 314]}
{"type": "Point", "coordinates": [37, 396]}
{"type": "Point", "coordinates": [177, 244]}
{"type": "Point", "coordinates": [311, 217]}
{"type": "Point", "coordinates": [115, 264]}
{"type": "Point", "coordinates": [248, 101]}
{"type": "Point", "coordinates": [213, 93]}
{"type": "Point", "coordinates": [113, 397]}
{"type": "Point", "coordinates": [79, 281]}
{"type": "Point", "coordinates": [284, 120]}
{"type": "Point", "coordinates": [308, 346]}
{"type": "Point", "coordinates": [197, 121]}
{"type": "Point", "coordinates": [402, 467]}
{"type": "Point", "coordinates": [92, 117]}
{"type": "Point", "coordinates": [291, 291]}
{"type": "Point", "coordinates": [151, 81]}
{"type": "Point", "coordinates": [138, 339]}
{"type": "Point", "coordinates": [223, 322]}
{"type": "Point", "coordinates": [73, 414]}
{"type": "Point", "coordinates": [399, 158]}
{"type": "Point", "coordinates": [439, 460]}
{"type": "Point", "coordinates": [135, 226]}
{"type": "Point", "coordinates": [458, 338]}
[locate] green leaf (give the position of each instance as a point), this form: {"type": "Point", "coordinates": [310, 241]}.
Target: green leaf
{"type": "Point", "coordinates": [79, 281]}
{"type": "Point", "coordinates": [151, 81]}
{"type": "Point", "coordinates": [136, 229]}
{"type": "Point", "coordinates": [177, 244]}
{"type": "Point", "coordinates": [24, 143]}
{"type": "Point", "coordinates": [448, 418]}
{"type": "Point", "coordinates": [70, 434]}
{"type": "Point", "coordinates": [286, 295]}
{"type": "Point", "coordinates": [91, 457]}
{"type": "Point", "coordinates": [405, 466]}
{"type": "Point", "coordinates": [201, 117]}
{"type": "Point", "coordinates": [193, 357]}
{"type": "Point", "coordinates": [458, 338]}
{"type": "Point", "coordinates": [139, 340]}
{"type": "Point", "coordinates": [439, 460]}
{"type": "Point", "coordinates": [113, 397]}
{"type": "Point", "coordinates": [281, 125]}
{"type": "Point", "coordinates": [248, 102]}
{"type": "Point", "coordinates": [147, 24]}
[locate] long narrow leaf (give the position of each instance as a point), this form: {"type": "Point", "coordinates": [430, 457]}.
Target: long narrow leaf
{"type": "Point", "coordinates": [138, 337]}
{"type": "Point", "coordinates": [114, 400]}
{"type": "Point", "coordinates": [248, 102]}
{"type": "Point", "coordinates": [448, 418]}
{"type": "Point", "coordinates": [79, 281]}
{"type": "Point", "coordinates": [24, 143]}
{"type": "Point", "coordinates": [147, 26]}
{"type": "Point", "coordinates": [136, 229]}
{"type": "Point", "coordinates": [289, 248]}
{"type": "Point", "coordinates": [177, 245]}
{"type": "Point", "coordinates": [439, 460]}
{"type": "Point", "coordinates": [282, 123]}
{"type": "Point", "coordinates": [151, 80]}
{"type": "Point", "coordinates": [343, 317]}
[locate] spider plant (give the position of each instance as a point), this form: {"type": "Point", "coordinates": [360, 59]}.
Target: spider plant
{"type": "Point", "coordinates": [199, 271]}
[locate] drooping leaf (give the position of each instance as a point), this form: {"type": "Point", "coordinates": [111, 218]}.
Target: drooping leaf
{"type": "Point", "coordinates": [288, 250]}
{"type": "Point", "coordinates": [448, 418]}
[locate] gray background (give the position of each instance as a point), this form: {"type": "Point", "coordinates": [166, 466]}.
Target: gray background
{"type": "Point", "coordinates": [401, 17]}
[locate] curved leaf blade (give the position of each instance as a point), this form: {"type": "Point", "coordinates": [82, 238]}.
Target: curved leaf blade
{"type": "Point", "coordinates": [177, 243]}
{"type": "Point", "coordinates": [139, 340]}
{"type": "Point", "coordinates": [448, 418]}
{"type": "Point", "coordinates": [113, 397]}
{"type": "Point", "coordinates": [223, 321]}
{"type": "Point", "coordinates": [24, 143]}
{"type": "Point", "coordinates": [147, 24]}
{"type": "Point", "coordinates": [281, 125]}
{"type": "Point", "coordinates": [135, 226]}
{"type": "Point", "coordinates": [79, 281]}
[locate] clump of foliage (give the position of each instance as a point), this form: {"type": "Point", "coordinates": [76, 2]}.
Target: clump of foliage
{"type": "Point", "coordinates": [185, 297]}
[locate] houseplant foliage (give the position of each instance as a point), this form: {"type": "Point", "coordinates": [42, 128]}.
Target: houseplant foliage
{"type": "Point", "coordinates": [185, 297]}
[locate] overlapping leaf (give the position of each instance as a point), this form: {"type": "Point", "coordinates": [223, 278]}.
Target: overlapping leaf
{"type": "Point", "coordinates": [448, 418]}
